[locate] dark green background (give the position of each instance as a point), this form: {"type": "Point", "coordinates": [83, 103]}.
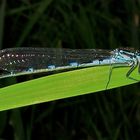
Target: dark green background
{"type": "Point", "coordinates": [105, 24]}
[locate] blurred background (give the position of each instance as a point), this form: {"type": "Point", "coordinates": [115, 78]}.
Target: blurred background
{"type": "Point", "coordinates": [106, 24]}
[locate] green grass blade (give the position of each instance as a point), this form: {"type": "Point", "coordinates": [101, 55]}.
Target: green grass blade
{"type": "Point", "coordinates": [63, 85]}
{"type": "Point", "coordinates": [17, 124]}
{"type": "Point", "coordinates": [21, 9]}
{"type": "Point", "coordinates": [34, 18]}
{"type": "Point", "coordinates": [2, 15]}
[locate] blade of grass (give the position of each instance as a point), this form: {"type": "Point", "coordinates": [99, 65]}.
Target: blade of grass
{"type": "Point", "coordinates": [34, 18]}
{"type": "Point", "coordinates": [2, 15]}
{"type": "Point", "coordinates": [21, 9]}
{"type": "Point", "coordinates": [63, 85]}
{"type": "Point", "coordinates": [17, 123]}
{"type": "Point", "coordinates": [116, 133]}
{"type": "Point", "coordinates": [84, 28]}
{"type": "Point", "coordinates": [3, 121]}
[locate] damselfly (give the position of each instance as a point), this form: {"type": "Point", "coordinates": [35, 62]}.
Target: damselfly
{"type": "Point", "coordinates": [21, 61]}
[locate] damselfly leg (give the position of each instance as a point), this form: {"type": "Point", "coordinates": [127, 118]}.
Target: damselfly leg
{"type": "Point", "coordinates": [133, 61]}
{"type": "Point", "coordinates": [138, 58]}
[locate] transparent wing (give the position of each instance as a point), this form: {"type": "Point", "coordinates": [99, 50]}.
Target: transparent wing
{"type": "Point", "coordinates": [22, 59]}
